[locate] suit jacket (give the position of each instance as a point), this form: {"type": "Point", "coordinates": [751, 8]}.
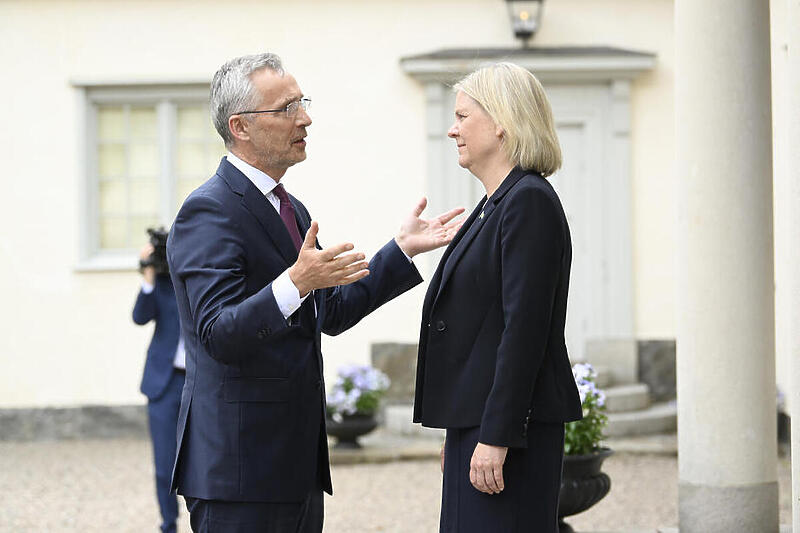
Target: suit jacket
{"type": "Point", "coordinates": [160, 306]}
{"type": "Point", "coordinates": [491, 349]}
{"type": "Point", "coordinates": [252, 419]}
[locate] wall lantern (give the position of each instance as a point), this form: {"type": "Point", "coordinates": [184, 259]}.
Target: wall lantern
{"type": "Point", "coordinates": [526, 16]}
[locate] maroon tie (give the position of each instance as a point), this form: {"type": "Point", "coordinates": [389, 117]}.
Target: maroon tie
{"type": "Point", "coordinates": [287, 215]}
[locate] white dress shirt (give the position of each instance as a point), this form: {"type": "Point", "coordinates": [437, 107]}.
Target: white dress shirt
{"type": "Point", "coordinates": [286, 294]}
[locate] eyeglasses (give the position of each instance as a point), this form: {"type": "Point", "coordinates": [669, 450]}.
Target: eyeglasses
{"type": "Point", "coordinates": [291, 109]}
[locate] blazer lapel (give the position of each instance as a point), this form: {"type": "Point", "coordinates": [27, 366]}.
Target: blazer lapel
{"type": "Point", "coordinates": [478, 218]}
{"type": "Point", "coordinates": [259, 207]}
{"type": "Point", "coordinates": [436, 280]}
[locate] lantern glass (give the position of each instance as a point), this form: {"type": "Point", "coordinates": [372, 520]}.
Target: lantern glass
{"type": "Point", "coordinates": [525, 17]}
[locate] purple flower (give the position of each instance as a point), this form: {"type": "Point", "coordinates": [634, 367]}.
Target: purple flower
{"type": "Point", "coordinates": [353, 381]}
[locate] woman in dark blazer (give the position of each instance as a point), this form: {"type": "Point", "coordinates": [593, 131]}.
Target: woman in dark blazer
{"type": "Point", "coordinates": [493, 366]}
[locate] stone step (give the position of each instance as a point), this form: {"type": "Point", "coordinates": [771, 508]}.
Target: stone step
{"type": "Point", "coordinates": [622, 398]}
{"type": "Point", "coordinates": [604, 377]}
{"type": "Point", "coordinates": [397, 420]}
{"type": "Point", "coordinates": [658, 418]}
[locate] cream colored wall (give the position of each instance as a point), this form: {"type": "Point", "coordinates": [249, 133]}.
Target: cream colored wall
{"type": "Point", "coordinates": [67, 336]}
{"type": "Point", "coordinates": [645, 26]}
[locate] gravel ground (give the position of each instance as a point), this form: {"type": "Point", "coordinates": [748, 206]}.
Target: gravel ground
{"type": "Point", "coordinates": [93, 486]}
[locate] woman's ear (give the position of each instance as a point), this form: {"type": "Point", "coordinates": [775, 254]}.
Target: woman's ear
{"type": "Point", "coordinates": [499, 131]}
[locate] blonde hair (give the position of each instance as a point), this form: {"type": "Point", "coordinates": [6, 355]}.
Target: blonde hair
{"type": "Point", "coordinates": [516, 101]}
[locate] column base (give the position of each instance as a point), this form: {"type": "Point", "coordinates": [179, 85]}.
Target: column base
{"type": "Point", "coordinates": [714, 509]}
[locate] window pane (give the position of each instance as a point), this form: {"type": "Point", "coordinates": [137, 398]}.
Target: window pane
{"type": "Point", "coordinates": [113, 232]}
{"type": "Point", "coordinates": [131, 150]}
{"type": "Point", "coordinates": [193, 121]}
{"type": "Point", "coordinates": [184, 187]}
{"type": "Point", "coordinates": [139, 225]}
{"type": "Point", "coordinates": [191, 160]}
{"type": "Point", "coordinates": [217, 151]}
{"type": "Point", "coordinates": [111, 160]}
{"type": "Point", "coordinates": [112, 197]}
{"type": "Point", "coordinates": [144, 160]}
{"type": "Point", "coordinates": [111, 123]}
{"type": "Point", "coordinates": [212, 132]}
{"type": "Point", "coordinates": [144, 197]}
{"type": "Point", "coordinates": [143, 123]}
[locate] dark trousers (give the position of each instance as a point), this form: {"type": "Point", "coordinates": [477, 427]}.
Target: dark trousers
{"type": "Point", "coordinates": [215, 516]}
{"type": "Point", "coordinates": [162, 414]}
{"type": "Point", "coordinates": [532, 476]}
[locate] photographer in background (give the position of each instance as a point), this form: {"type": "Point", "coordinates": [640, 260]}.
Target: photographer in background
{"type": "Point", "coordinates": [164, 369]}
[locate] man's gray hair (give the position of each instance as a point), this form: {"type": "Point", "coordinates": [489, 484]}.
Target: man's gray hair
{"type": "Point", "coordinates": [232, 91]}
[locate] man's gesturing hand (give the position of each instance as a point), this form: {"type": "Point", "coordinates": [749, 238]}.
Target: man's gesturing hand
{"type": "Point", "coordinates": [418, 235]}
{"type": "Point", "coordinates": [486, 468]}
{"type": "Point", "coordinates": [317, 269]}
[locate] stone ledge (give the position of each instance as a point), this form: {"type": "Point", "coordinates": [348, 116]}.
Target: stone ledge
{"type": "Point", "coordinates": [659, 444]}
{"type": "Point", "coordinates": [85, 422]}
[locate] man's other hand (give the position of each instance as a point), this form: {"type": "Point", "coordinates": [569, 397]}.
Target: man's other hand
{"type": "Point", "coordinates": [419, 235]}
{"type": "Point", "coordinates": [318, 269]}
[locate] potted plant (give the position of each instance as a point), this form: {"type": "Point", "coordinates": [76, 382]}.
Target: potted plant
{"type": "Point", "coordinates": [353, 402]}
{"type": "Point", "coordinates": [582, 483]}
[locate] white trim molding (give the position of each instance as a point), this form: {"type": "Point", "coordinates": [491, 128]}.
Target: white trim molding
{"type": "Point", "coordinates": [557, 64]}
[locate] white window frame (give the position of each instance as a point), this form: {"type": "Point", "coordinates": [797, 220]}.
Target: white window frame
{"type": "Point", "coordinates": [166, 96]}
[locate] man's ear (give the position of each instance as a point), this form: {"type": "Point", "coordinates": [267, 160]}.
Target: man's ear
{"type": "Point", "coordinates": [239, 127]}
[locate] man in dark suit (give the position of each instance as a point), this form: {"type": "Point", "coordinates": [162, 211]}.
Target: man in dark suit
{"type": "Point", "coordinates": [254, 297]}
{"type": "Point", "coordinates": [163, 377]}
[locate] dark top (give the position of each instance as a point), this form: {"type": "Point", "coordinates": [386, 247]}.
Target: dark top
{"type": "Point", "coordinates": [159, 305]}
{"type": "Point", "coordinates": [491, 348]}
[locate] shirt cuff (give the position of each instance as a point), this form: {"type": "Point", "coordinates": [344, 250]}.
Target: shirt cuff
{"type": "Point", "coordinates": [147, 288]}
{"type": "Point", "coordinates": [286, 294]}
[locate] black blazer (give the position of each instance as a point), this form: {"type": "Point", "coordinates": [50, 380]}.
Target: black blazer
{"type": "Point", "coordinates": [251, 425]}
{"type": "Point", "coordinates": [491, 348]}
{"type": "Point", "coordinates": [160, 306]}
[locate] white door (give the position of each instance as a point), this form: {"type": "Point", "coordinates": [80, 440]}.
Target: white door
{"type": "Point", "coordinates": [582, 118]}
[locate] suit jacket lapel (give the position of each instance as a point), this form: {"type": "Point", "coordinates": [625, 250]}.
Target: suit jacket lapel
{"type": "Point", "coordinates": [303, 222]}
{"type": "Point", "coordinates": [259, 206]}
{"type": "Point", "coordinates": [271, 221]}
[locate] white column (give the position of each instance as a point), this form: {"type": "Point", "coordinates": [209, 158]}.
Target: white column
{"type": "Point", "coordinates": [786, 75]}
{"type": "Point", "coordinates": [725, 323]}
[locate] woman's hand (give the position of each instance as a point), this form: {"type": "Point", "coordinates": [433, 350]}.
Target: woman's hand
{"type": "Point", "coordinates": [486, 468]}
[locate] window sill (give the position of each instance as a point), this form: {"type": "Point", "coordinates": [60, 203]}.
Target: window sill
{"type": "Point", "coordinates": [122, 262]}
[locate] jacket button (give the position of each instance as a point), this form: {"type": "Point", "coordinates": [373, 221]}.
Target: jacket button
{"type": "Point", "coordinates": [441, 326]}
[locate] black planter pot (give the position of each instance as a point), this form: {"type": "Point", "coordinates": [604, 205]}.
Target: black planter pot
{"type": "Point", "coordinates": [349, 429]}
{"type": "Point", "coordinates": [582, 485]}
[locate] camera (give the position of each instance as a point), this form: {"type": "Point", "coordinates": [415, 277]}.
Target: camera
{"type": "Point", "coordinates": [158, 259]}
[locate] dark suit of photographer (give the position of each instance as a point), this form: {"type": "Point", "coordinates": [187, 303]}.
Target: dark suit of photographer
{"type": "Point", "coordinates": [163, 377]}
